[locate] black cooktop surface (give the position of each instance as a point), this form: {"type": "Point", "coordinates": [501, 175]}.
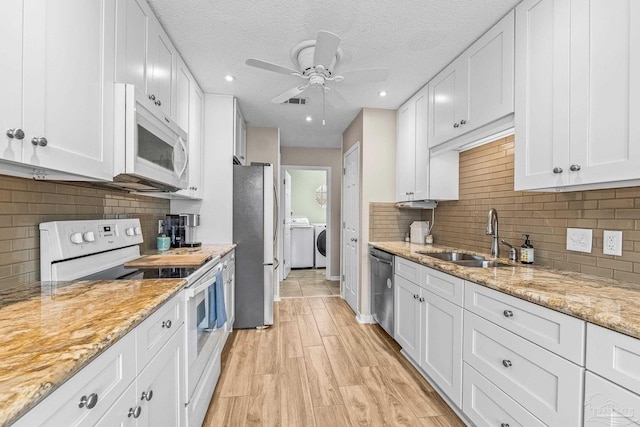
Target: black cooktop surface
{"type": "Point", "coordinates": [122, 273]}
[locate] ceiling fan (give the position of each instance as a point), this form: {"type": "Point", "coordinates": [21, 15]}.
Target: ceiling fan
{"type": "Point", "coordinates": [315, 61]}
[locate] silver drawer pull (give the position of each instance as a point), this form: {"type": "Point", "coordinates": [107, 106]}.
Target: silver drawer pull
{"type": "Point", "coordinates": [506, 363]}
{"type": "Point", "coordinates": [504, 425]}
{"type": "Point", "coordinates": [416, 296]}
{"type": "Point", "coordinates": [134, 412]}
{"type": "Point", "coordinates": [88, 402]}
{"type": "Point", "coordinates": [421, 300]}
{"type": "Point", "coordinates": [147, 396]}
{"type": "Point", "coordinates": [166, 324]}
{"type": "Point", "coordinates": [508, 313]}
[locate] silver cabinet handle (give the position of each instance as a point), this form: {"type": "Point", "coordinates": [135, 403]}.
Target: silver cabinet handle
{"type": "Point", "coordinates": [504, 425]}
{"type": "Point", "coordinates": [456, 125]}
{"type": "Point", "coordinates": [165, 119]}
{"type": "Point", "coordinates": [507, 313]}
{"type": "Point", "coordinates": [39, 140]}
{"type": "Point", "coordinates": [147, 396]}
{"type": "Point", "coordinates": [557, 170]}
{"type": "Point", "coordinates": [225, 266]}
{"type": "Point", "coordinates": [152, 97]}
{"type": "Point", "coordinates": [463, 122]}
{"type": "Point", "coordinates": [16, 133]}
{"type": "Point", "coordinates": [421, 299]}
{"type": "Point", "coordinates": [166, 324]}
{"type": "Point", "coordinates": [88, 402]}
{"type": "Point", "coordinates": [506, 363]}
{"type": "Point", "coordinates": [416, 296]}
{"type": "Point", "coordinates": [574, 168]}
{"type": "Point", "coordinates": [134, 412]}
{"type": "Point", "coordinates": [158, 103]}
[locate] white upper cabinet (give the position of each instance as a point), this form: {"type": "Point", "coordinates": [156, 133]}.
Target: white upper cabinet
{"type": "Point", "coordinates": [405, 151]}
{"type": "Point", "coordinates": [67, 86]}
{"type": "Point", "coordinates": [146, 57]}
{"type": "Point", "coordinates": [240, 135]}
{"type": "Point", "coordinates": [183, 86]}
{"type": "Point", "coordinates": [577, 94]}
{"type": "Point", "coordinates": [476, 89]}
{"type": "Point", "coordinates": [194, 125]}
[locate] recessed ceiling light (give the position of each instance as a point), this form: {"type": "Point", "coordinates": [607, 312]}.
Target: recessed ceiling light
{"type": "Point", "coordinates": [308, 118]}
{"type": "Point", "coordinates": [382, 93]}
{"type": "Point", "coordinates": [229, 78]}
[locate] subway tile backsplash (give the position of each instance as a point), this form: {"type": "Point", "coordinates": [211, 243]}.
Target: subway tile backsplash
{"type": "Point", "coordinates": [25, 203]}
{"type": "Point", "coordinates": [486, 181]}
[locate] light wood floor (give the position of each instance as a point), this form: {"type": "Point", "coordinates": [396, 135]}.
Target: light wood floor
{"type": "Point", "coordinates": [309, 282]}
{"type": "Point", "coordinates": [316, 366]}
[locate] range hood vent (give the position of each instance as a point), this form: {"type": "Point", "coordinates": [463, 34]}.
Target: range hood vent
{"type": "Point", "coordinates": [418, 204]}
{"type": "Point", "coordinates": [136, 183]}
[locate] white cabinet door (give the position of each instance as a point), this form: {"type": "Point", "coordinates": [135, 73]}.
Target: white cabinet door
{"type": "Point", "coordinates": [605, 91]}
{"type": "Point", "coordinates": [240, 135]}
{"type": "Point", "coordinates": [196, 147]}
{"type": "Point", "coordinates": [134, 19]}
{"type": "Point", "coordinates": [489, 62]}
{"type": "Point", "coordinates": [69, 52]}
{"type": "Point", "coordinates": [11, 81]}
{"type": "Point", "coordinates": [161, 390]}
{"type": "Point", "coordinates": [421, 182]}
{"type": "Point", "coordinates": [542, 94]}
{"type": "Point", "coordinates": [405, 152]}
{"type": "Point", "coordinates": [163, 57]}
{"type": "Point", "coordinates": [607, 404]}
{"type": "Point", "coordinates": [407, 317]}
{"type": "Point", "coordinates": [124, 412]}
{"type": "Point", "coordinates": [441, 349]}
{"type": "Point", "coordinates": [183, 92]}
{"type": "Point", "coordinates": [447, 103]}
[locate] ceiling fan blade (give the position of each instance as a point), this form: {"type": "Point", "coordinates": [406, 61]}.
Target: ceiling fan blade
{"type": "Point", "coordinates": [334, 98]}
{"type": "Point", "coordinates": [271, 67]}
{"type": "Point", "coordinates": [326, 48]}
{"type": "Point", "coordinates": [370, 75]}
{"type": "Point", "coordinates": [295, 91]}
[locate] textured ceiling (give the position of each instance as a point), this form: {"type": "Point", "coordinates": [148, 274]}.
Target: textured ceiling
{"type": "Point", "coordinates": [413, 38]}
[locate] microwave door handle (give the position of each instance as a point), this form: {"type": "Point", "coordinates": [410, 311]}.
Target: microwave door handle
{"type": "Point", "coordinates": [186, 157]}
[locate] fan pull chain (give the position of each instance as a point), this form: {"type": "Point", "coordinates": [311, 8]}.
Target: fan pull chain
{"type": "Point", "coordinates": [323, 95]}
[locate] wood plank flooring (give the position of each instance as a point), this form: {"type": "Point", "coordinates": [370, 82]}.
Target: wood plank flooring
{"type": "Point", "coordinates": [316, 366]}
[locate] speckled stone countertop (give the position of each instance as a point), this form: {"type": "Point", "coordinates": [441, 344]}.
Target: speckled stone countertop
{"type": "Point", "coordinates": [214, 249]}
{"type": "Point", "coordinates": [49, 331]}
{"type": "Point", "coordinates": [609, 303]}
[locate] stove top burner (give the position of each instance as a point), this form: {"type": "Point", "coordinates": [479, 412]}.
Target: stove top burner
{"type": "Point", "coordinates": [122, 273]}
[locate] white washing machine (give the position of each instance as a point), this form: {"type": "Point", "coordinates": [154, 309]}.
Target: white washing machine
{"type": "Point", "coordinates": [302, 243]}
{"type": "Point", "coordinates": [320, 245]}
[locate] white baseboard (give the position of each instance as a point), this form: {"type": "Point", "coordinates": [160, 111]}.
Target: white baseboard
{"type": "Point", "coordinates": [334, 277]}
{"type": "Point", "coordinates": [276, 298]}
{"type": "Point", "coordinates": [365, 319]}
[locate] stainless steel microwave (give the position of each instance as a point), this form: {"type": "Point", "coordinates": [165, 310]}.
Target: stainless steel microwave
{"type": "Point", "coordinates": [150, 153]}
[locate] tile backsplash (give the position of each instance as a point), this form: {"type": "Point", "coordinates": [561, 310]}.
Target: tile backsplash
{"type": "Point", "coordinates": [25, 203]}
{"type": "Point", "coordinates": [486, 181]}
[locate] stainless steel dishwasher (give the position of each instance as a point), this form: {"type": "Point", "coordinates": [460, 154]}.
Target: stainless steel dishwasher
{"type": "Point", "coordinates": [382, 288]}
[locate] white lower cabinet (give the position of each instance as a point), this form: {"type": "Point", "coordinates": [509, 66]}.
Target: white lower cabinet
{"type": "Point", "coordinates": [488, 406]}
{"type": "Point", "coordinates": [407, 316]}
{"type": "Point", "coordinates": [608, 404]}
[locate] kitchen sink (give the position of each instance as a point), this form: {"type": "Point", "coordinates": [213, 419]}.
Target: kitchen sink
{"type": "Point", "coordinates": [481, 263]}
{"type": "Point", "coordinates": [454, 256]}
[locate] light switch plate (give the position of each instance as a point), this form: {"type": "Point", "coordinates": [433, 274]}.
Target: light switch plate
{"type": "Point", "coordinates": [579, 239]}
{"type": "Point", "coordinates": [612, 243]}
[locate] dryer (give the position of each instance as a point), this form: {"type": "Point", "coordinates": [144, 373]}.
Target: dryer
{"type": "Point", "coordinates": [320, 245]}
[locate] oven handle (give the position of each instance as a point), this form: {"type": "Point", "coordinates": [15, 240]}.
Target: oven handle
{"type": "Point", "coordinates": [195, 290]}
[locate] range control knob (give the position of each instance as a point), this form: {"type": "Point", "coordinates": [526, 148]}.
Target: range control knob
{"type": "Point", "coordinates": [89, 236]}
{"type": "Point", "coordinates": [76, 238]}
{"type": "Point", "coordinates": [138, 231]}
{"type": "Point", "coordinates": [130, 231]}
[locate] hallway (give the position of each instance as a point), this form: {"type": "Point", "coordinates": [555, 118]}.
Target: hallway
{"type": "Point", "coordinates": [309, 283]}
{"type": "Point", "coordinates": [316, 366]}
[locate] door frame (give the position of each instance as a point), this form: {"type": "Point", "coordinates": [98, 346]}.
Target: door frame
{"type": "Point", "coordinates": [327, 170]}
{"type": "Point", "coordinates": [355, 147]}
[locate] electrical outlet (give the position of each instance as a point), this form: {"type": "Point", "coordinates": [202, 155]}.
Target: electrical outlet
{"type": "Point", "coordinates": [612, 243]}
{"type": "Point", "coordinates": [579, 239]}
{"type": "Point", "coordinates": [160, 227]}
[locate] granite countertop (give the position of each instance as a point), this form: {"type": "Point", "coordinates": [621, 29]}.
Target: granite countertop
{"type": "Point", "coordinates": [609, 303]}
{"type": "Point", "coordinates": [49, 331]}
{"type": "Point", "coordinates": [214, 249]}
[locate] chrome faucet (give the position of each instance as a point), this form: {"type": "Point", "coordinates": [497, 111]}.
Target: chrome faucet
{"type": "Point", "coordinates": [492, 230]}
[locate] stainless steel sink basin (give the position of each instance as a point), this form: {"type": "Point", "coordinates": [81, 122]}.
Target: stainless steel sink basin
{"type": "Point", "coordinates": [481, 263]}
{"type": "Point", "coordinates": [453, 256]}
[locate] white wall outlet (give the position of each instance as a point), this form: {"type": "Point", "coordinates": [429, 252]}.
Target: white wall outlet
{"type": "Point", "coordinates": [579, 239]}
{"type": "Point", "coordinates": [612, 243]}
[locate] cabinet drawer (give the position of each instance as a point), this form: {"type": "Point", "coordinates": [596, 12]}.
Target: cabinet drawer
{"type": "Point", "coordinates": [608, 404]}
{"type": "Point", "coordinates": [156, 330]}
{"type": "Point", "coordinates": [488, 406]}
{"type": "Point", "coordinates": [614, 356]}
{"type": "Point", "coordinates": [546, 385]}
{"type": "Point", "coordinates": [407, 269]}
{"type": "Point", "coordinates": [442, 284]}
{"type": "Point", "coordinates": [107, 377]}
{"type": "Point", "coordinates": [557, 332]}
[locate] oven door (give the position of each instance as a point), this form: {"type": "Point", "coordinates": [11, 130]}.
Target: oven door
{"type": "Point", "coordinates": [202, 337]}
{"type": "Point", "coordinates": [155, 149]}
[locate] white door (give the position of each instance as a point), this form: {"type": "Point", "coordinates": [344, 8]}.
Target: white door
{"type": "Point", "coordinates": [11, 81]}
{"type": "Point", "coordinates": [286, 231]}
{"type": "Point", "coordinates": [351, 227]}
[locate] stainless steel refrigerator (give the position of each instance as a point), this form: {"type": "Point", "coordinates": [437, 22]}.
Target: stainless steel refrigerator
{"type": "Point", "coordinates": [254, 233]}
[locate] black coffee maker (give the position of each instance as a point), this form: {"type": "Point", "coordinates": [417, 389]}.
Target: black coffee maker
{"type": "Point", "coordinates": [182, 230]}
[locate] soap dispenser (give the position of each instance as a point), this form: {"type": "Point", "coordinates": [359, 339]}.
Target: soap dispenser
{"type": "Point", "coordinates": [526, 251]}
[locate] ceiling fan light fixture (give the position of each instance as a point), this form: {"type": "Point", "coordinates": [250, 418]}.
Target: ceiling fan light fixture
{"type": "Point", "coordinates": [229, 78]}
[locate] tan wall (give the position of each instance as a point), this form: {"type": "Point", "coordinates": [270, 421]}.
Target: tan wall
{"type": "Point", "coordinates": [294, 156]}
{"type": "Point", "coordinates": [353, 133]}
{"type": "Point", "coordinates": [25, 203]}
{"type": "Point", "coordinates": [387, 223]}
{"type": "Point", "coordinates": [486, 181]}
